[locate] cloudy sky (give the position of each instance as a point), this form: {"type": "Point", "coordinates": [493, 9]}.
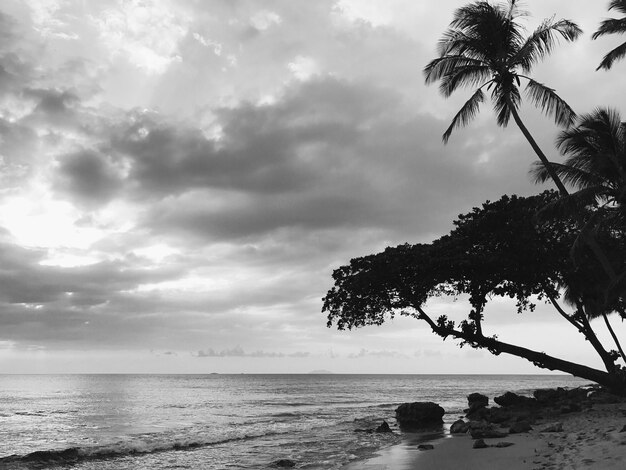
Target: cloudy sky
{"type": "Point", "coordinates": [179, 178]}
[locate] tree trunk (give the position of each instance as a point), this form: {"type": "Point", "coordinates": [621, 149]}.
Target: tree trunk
{"type": "Point", "coordinates": [584, 327]}
{"type": "Point", "coordinates": [546, 163]}
{"type": "Point", "coordinates": [545, 361]}
{"type": "Point", "coordinates": [589, 238]}
{"type": "Point", "coordinates": [540, 359]}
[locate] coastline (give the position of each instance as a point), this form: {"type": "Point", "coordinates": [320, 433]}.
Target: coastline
{"type": "Point", "coordinates": [591, 438]}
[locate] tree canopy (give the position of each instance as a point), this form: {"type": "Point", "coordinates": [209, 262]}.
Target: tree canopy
{"type": "Point", "coordinates": [500, 249]}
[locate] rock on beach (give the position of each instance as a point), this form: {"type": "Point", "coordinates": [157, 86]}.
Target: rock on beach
{"type": "Point", "coordinates": [419, 415]}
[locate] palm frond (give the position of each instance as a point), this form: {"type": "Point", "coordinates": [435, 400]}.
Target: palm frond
{"type": "Point", "coordinates": [565, 206]}
{"type": "Point", "coordinates": [571, 175]}
{"type": "Point", "coordinates": [598, 133]}
{"type": "Point", "coordinates": [492, 27]}
{"type": "Point", "coordinates": [457, 42]}
{"type": "Point", "coordinates": [503, 98]}
{"type": "Point", "coordinates": [618, 53]}
{"type": "Point", "coordinates": [470, 75]}
{"type": "Point", "coordinates": [467, 112]}
{"type": "Point", "coordinates": [610, 26]}
{"type": "Point", "coordinates": [597, 144]}
{"type": "Point", "coordinates": [443, 66]}
{"type": "Point", "coordinates": [550, 103]}
{"type": "Point", "coordinates": [541, 42]}
{"type": "Point", "coordinates": [619, 5]}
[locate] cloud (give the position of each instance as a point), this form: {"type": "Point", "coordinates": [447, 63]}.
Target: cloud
{"type": "Point", "coordinates": [88, 176]}
{"type": "Point", "coordinates": [379, 354]}
{"type": "Point", "coordinates": [237, 351]}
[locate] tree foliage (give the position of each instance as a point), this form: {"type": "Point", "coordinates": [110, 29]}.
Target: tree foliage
{"type": "Point", "coordinates": [485, 47]}
{"type": "Point", "coordinates": [500, 249]}
{"type": "Point", "coordinates": [613, 26]}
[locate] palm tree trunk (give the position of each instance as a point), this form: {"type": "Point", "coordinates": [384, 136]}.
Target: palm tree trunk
{"type": "Point", "coordinates": [584, 327]}
{"type": "Point", "coordinates": [617, 343]}
{"type": "Point", "coordinates": [589, 238]}
{"type": "Point", "coordinates": [555, 178]}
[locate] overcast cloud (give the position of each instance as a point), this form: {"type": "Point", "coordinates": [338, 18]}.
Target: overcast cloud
{"type": "Point", "coordinates": [180, 178]}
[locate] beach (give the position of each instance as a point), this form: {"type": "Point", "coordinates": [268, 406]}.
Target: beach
{"type": "Point", "coordinates": [590, 439]}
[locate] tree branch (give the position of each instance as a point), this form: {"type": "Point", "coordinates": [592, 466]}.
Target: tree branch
{"type": "Point", "coordinates": [539, 359]}
{"type": "Point", "coordinates": [585, 328]}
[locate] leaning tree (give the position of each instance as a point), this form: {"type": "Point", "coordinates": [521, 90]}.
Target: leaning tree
{"type": "Point", "coordinates": [499, 250]}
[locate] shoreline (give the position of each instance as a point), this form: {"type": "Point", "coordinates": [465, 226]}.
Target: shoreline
{"type": "Point", "coordinates": [593, 438]}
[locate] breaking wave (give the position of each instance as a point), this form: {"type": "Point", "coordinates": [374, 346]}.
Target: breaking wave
{"type": "Point", "coordinates": [74, 455]}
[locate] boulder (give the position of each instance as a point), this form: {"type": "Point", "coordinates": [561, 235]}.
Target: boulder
{"type": "Point", "coordinates": [419, 415]}
{"type": "Point", "coordinates": [519, 427]}
{"type": "Point", "coordinates": [476, 401]}
{"type": "Point", "coordinates": [485, 431]}
{"type": "Point", "coordinates": [515, 400]}
{"type": "Point", "coordinates": [384, 427]}
{"type": "Point", "coordinates": [479, 444]}
{"type": "Point", "coordinates": [505, 444]}
{"type": "Point", "coordinates": [570, 408]}
{"type": "Point", "coordinates": [604, 397]}
{"type": "Point", "coordinates": [284, 463]}
{"type": "Point", "coordinates": [459, 427]}
{"type": "Point", "coordinates": [557, 427]}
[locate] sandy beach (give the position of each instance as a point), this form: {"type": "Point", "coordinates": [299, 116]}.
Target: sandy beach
{"type": "Point", "coordinates": [590, 439]}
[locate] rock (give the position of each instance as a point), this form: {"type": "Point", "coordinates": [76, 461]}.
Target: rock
{"type": "Point", "coordinates": [485, 431]}
{"type": "Point", "coordinates": [519, 427]}
{"type": "Point", "coordinates": [557, 427]}
{"type": "Point", "coordinates": [384, 427]}
{"type": "Point", "coordinates": [498, 415]}
{"type": "Point", "coordinates": [623, 429]}
{"type": "Point", "coordinates": [425, 447]}
{"type": "Point", "coordinates": [284, 463]}
{"type": "Point", "coordinates": [419, 415]}
{"type": "Point", "coordinates": [570, 408]}
{"type": "Point", "coordinates": [604, 397]}
{"type": "Point", "coordinates": [479, 444]}
{"type": "Point", "coordinates": [459, 427]}
{"type": "Point", "coordinates": [476, 401]}
{"type": "Point", "coordinates": [505, 444]}
{"type": "Point", "coordinates": [513, 399]}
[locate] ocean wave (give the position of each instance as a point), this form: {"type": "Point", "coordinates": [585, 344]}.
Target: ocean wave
{"type": "Point", "coordinates": [286, 415]}
{"type": "Point", "coordinates": [74, 455]}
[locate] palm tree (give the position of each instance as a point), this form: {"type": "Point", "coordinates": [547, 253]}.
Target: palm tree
{"type": "Point", "coordinates": [485, 47]}
{"type": "Point", "coordinates": [596, 165]}
{"type": "Point", "coordinates": [596, 160]}
{"type": "Point", "coordinates": [613, 26]}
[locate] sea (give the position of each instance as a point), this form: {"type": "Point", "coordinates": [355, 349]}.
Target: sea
{"type": "Point", "coordinates": [135, 422]}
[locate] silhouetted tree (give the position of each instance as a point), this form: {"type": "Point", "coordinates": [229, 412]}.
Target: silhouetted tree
{"type": "Point", "coordinates": [613, 26]}
{"type": "Point", "coordinates": [485, 47]}
{"type": "Point", "coordinates": [596, 166]}
{"type": "Point", "coordinates": [497, 250]}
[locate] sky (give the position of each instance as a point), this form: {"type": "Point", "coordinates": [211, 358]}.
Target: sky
{"type": "Point", "coordinates": [179, 178]}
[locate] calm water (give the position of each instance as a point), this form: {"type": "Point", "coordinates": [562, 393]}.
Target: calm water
{"type": "Point", "coordinates": [131, 422]}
